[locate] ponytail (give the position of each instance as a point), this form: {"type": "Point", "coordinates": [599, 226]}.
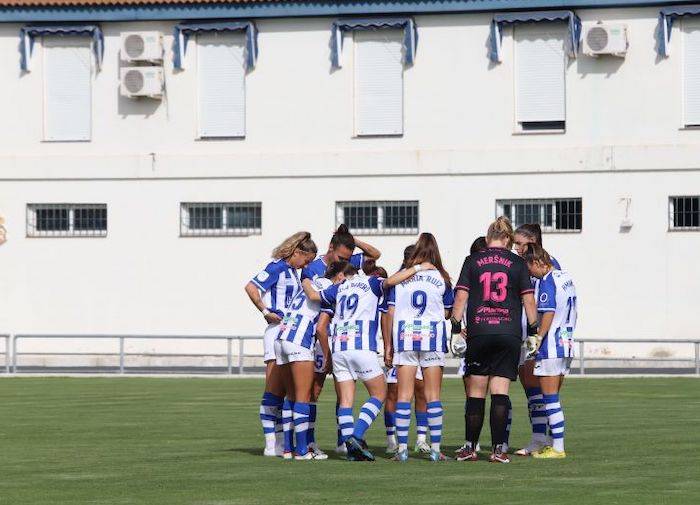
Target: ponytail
{"type": "Point", "coordinates": [501, 229]}
{"type": "Point", "coordinates": [343, 237]}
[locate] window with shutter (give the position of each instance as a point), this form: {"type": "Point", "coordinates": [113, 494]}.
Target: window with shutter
{"type": "Point", "coordinates": [67, 88]}
{"type": "Point", "coordinates": [378, 82]}
{"type": "Point", "coordinates": [540, 76]}
{"type": "Point", "coordinates": [691, 71]}
{"type": "Point", "coordinates": [221, 84]}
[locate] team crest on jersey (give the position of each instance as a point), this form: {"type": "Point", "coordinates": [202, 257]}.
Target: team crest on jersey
{"type": "Point", "coordinates": [544, 297]}
{"type": "Point", "coordinates": [262, 276]}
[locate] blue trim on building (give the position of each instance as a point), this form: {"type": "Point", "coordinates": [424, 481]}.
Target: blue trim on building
{"type": "Point", "coordinates": [298, 9]}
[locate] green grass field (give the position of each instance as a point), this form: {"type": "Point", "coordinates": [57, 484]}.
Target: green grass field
{"type": "Point", "coordinates": [198, 441]}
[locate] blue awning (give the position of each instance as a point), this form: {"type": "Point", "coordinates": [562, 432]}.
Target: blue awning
{"type": "Point", "coordinates": [27, 35]}
{"type": "Point", "coordinates": [496, 35]}
{"type": "Point", "coordinates": [184, 30]}
{"type": "Point", "coordinates": [339, 27]}
{"type": "Point", "coordinates": [666, 17]}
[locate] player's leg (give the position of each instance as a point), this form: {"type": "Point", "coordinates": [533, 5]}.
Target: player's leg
{"type": "Point", "coordinates": [504, 358]}
{"type": "Point", "coordinates": [390, 411]}
{"type": "Point", "coordinates": [406, 374]}
{"type": "Point", "coordinates": [432, 380]}
{"type": "Point", "coordinates": [302, 373]}
{"type": "Point", "coordinates": [535, 407]}
{"type": "Point", "coordinates": [340, 442]}
{"type": "Point", "coordinates": [477, 361]}
{"type": "Point", "coordinates": [551, 373]}
{"type": "Point", "coordinates": [285, 374]}
{"type": "Point", "coordinates": [345, 389]}
{"type": "Point", "coordinates": [317, 387]}
{"type": "Point", "coordinates": [376, 387]}
{"type": "Point", "coordinates": [272, 399]}
{"type": "Point", "coordinates": [421, 412]}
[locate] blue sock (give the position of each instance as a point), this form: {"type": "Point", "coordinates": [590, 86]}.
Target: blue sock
{"type": "Point", "coordinates": [538, 416]}
{"type": "Point", "coordinates": [270, 408]}
{"type": "Point", "coordinates": [421, 423]}
{"type": "Point", "coordinates": [403, 422]}
{"type": "Point", "coordinates": [434, 415]}
{"type": "Point", "coordinates": [389, 423]}
{"type": "Point", "coordinates": [345, 423]}
{"type": "Point", "coordinates": [287, 425]}
{"type": "Point", "coordinates": [301, 426]}
{"type": "Point", "coordinates": [368, 413]}
{"type": "Point", "coordinates": [311, 435]}
{"type": "Point", "coordinates": [555, 416]}
{"type": "Point", "coordinates": [338, 432]}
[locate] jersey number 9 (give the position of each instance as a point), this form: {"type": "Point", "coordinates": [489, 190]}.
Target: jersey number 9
{"type": "Point", "coordinates": [419, 300]}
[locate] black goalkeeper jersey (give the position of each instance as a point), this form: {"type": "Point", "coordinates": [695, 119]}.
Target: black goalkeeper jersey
{"type": "Point", "coordinates": [496, 279]}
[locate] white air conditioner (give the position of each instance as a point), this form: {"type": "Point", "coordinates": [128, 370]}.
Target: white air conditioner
{"type": "Point", "coordinates": [141, 81]}
{"type": "Point", "coordinates": [605, 38]}
{"type": "Point", "coordinates": [142, 46]}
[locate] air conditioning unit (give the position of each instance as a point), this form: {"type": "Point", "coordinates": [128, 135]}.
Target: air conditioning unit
{"type": "Point", "coordinates": [605, 38]}
{"type": "Point", "coordinates": [141, 81]}
{"type": "Point", "coordinates": [142, 46]}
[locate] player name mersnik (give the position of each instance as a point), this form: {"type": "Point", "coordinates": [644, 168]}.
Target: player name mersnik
{"type": "Point", "coordinates": [499, 260]}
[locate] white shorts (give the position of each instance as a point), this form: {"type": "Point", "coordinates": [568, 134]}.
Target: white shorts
{"type": "Point", "coordinates": [420, 358]}
{"type": "Point", "coordinates": [319, 361]}
{"type": "Point", "coordinates": [392, 375]}
{"type": "Point", "coordinates": [355, 365]}
{"type": "Point", "coordinates": [552, 367]}
{"type": "Point", "coordinates": [269, 339]}
{"type": "Point", "coordinates": [289, 352]}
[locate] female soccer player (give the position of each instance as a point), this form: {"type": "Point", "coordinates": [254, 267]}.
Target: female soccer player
{"type": "Point", "coordinates": [421, 304]}
{"type": "Point", "coordinates": [295, 356]}
{"type": "Point", "coordinates": [341, 248]}
{"type": "Point", "coordinates": [524, 235]}
{"type": "Point", "coordinates": [553, 346]}
{"type": "Point", "coordinates": [494, 285]}
{"type": "Point", "coordinates": [355, 306]}
{"type": "Point", "coordinates": [271, 291]}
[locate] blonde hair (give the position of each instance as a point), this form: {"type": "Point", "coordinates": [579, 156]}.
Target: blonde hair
{"type": "Point", "coordinates": [300, 240]}
{"type": "Point", "coordinates": [501, 229]}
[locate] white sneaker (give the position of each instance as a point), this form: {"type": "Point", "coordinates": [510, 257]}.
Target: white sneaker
{"type": "Point", "coordinates": [422, 447]}
{"type": "Point", "coordinates": [533, 447]}
{"type": "Point", "coordinates": [271, 452]}
{"type": "Point", "coordinates": [317, 453]}
{"type": "Point", "coordinates": [392, 446]}
{"type": "Point", "coordinates": [464, 447]}
{"type": "Point", "coordinates": [308, 455]}
{"type": "Point", "coordinates": [341, 449]}
{"type": "Point", "coordinates": [287, 455]}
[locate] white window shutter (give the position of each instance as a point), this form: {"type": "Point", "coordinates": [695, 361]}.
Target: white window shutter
{"type": "Point", "coordinates": [221, 84]}
{"type": "Point", "coordinates": [691, 71]}
{"type": "Point", "coordinates": [67, 88]}
{"type": "Point", "coordinates": [378, 82]}
{"type": "Point", "coordinates": [540, 72]}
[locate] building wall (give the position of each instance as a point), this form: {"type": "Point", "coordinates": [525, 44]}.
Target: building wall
{"type": "Point", "coordinates": [459, 153]}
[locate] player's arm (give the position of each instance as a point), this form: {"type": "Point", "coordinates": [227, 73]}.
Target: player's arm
{"type": "Point", "coordinates": [545, 323]}
{"type": "Point", "coordinates": [405, 274]}
{"type": "Point", "coordinates": [371, 252]}
{"type": "Point", "coordinates": [461, 295]}
{"type": "Point", "coordinates": [253, 293]}
{"type": "Point", "coordinates": [309, 291]}
{"type": "Point", "coordinates": [324, 320]}
{"type": "Point", "coordinates": [387, 325]}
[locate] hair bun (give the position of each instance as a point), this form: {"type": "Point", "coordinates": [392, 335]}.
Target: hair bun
{"type": "Point", "coordinates": [343, 228]}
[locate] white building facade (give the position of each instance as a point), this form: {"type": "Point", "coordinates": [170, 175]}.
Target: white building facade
{"type": "Point", "coordinates": [149, 215]}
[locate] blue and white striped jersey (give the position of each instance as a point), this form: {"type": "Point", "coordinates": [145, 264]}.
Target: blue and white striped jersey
{"type": "Point", "coordinates": [419, 312]}
{"type": "Point", "coordinates": [558, 294]}
{"type": "Point", "coordinates": [317, 268]}
{"type": "Point", "coordinates": [279, 284]}
{"type": "Point", "coordinates": [355, 307]}
{"type": "Point", "coordinates": [536, 286]}
{"type": "Point", "coordinates": [299, 322]}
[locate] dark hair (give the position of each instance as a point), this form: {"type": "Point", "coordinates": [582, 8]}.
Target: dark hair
{"type": "Point", "coordinates": [535, 252]}
{"type": "Point", "coordinates": [342, 236]}
{"type": "Point", "coordinates": [407, 253]}
{"type": "Point", "coordinates": [376, 271]}
{"type": "Point", "coordinates": [369, 266]}
{"type": "Point", "coordinates": [478, 245]}
{"type": "Point", "coordinates": [532, 231]}
{"type": "Point", "coordinates": [337, 267]}
{"type": "Point", "coordinates": [427, 250]}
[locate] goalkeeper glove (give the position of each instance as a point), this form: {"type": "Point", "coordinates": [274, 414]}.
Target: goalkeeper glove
{"type": "Point", "coordinates": [532, 343]}
{"type": "Point", "coordinates": [458, 345]}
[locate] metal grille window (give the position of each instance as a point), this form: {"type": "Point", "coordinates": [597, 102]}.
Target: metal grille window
{"type": "Point", "coordinates": [684, 212]}
{"type": "Point", "coordinates": [553, 215]}
{"type": "Point", "coordinates": [66, 220]}
{"type": "Point", "coordinates": [220, 219]}
{"type": "Point", "coordinates": [379, 218]}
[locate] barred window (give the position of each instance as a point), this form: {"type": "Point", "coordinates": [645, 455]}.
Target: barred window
{"type": "Point", "coordinates": [553, 215]}
{"type": "Point", "coordinates": [379, 218]}
{"type": "Point", "coordinates": [220, 219]}
{"type": "Point", "coordinates": [684, 212]}
{"type": "Point", "coordinates": [66, 220]}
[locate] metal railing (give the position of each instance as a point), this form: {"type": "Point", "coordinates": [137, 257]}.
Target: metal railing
{"type": "Point", "coordinates": [122, 354]}
{"type": "Point", "coordinates": [12, 354]}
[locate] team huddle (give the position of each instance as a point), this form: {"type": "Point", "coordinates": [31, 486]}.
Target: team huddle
{"type": "Point", "coordinates": [511, 313]}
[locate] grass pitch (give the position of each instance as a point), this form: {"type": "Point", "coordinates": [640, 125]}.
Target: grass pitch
{"type": "Point", "coordinates": [198, 441]}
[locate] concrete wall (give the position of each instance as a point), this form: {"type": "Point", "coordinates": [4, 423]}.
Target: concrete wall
{"type": "Point", "coordinates": [460, 152]}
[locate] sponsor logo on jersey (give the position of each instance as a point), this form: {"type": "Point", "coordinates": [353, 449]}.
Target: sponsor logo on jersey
{"type": "Point", "coordinates": [262, 276]}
